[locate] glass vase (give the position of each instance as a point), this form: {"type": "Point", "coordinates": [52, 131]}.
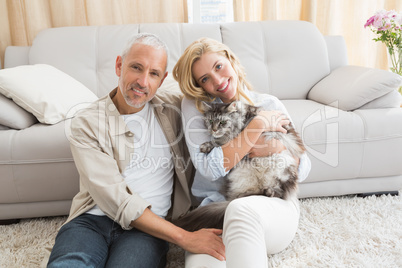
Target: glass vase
{"type": "Point", "coordinates": [395, 61]}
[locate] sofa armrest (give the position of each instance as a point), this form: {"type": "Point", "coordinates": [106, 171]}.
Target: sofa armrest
{"type": "Point", "coordinates": [16, 56]}
{"type": "Point", "coordinates": [350, 87]}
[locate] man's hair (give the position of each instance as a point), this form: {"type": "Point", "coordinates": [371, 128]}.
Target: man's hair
{"type": "Point", "coordinates": [146, 39]}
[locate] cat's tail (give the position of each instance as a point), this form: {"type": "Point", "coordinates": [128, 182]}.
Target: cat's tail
{"type": "Point", "coordinates": [208, 216]}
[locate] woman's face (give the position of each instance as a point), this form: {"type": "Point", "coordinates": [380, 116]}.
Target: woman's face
{"type": "Point", "coordinates": [214, 73]}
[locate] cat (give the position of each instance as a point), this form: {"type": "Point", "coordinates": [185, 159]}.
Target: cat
{"type": "Point", "coordinates": [272, 176]}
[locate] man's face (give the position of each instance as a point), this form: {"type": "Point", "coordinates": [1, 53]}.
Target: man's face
{"type": "Point", "coordinates": [140, 75]}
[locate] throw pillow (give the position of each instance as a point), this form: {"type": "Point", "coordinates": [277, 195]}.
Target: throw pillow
{"type": "Point", "coordinates": [350, 87]}
{"type": "Point", "coordinates": [13, 116]}
{"type": "Point", "coordinates": [389, 100]}
{"type": "Point", "coordinates": [44, 91]}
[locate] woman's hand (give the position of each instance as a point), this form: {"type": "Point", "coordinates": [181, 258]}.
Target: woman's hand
{"type": "Point", "coordinates": [236, 149]}
{"type": "Point", "coordinates": [263, 148]}
{"type": "Point", "coordinates": [272, 120]}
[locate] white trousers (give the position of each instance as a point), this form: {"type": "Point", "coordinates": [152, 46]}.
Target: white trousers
{"type": "Point", "coordinates": [254, 227]}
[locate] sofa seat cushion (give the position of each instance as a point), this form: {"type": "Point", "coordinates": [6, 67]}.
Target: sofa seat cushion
{"type": "Point", "coordinates": [382, 141]}
{"type": "Point", "coordinates": [332, 137]}
{"type": "Point", "coordinates": [316, 122]}
{"type": "Point", "coordinates": [36, 165]}
{"type": "Point", "coordinates": [345, 145]}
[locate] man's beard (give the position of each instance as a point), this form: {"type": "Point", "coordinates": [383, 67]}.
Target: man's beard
{"type": "Point", "coordinates": [136, 105]}
{"type": "Point", "coordinates": [130, 101]}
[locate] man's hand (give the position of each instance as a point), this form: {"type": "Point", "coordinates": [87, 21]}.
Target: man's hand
{"type": "Point", "coordinates": [204, 241]}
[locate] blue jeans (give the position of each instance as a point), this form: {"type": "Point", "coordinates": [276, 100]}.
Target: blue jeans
{"type": "Point", "coordinates": [97, 241]}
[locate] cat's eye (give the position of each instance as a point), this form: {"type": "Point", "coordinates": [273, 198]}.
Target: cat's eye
{"type": "Point", "coordinates": [211, 121]}
{"type": "Point", "coordinates": [222, 123]}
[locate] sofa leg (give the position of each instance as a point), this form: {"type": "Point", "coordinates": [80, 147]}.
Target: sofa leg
{"type": "Point", "coordinates": [10, 221]}
{"type": "Point", "coordinates": [394, 193]}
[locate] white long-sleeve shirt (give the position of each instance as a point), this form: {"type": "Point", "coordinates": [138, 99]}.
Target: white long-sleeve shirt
{"type": "Point", "coordinates": [209, 167]}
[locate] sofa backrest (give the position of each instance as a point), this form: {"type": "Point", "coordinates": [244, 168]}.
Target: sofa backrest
{"type": "Point", "coordinates": [282, 58]}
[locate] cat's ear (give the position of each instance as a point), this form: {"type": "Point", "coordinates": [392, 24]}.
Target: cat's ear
{"type": "Point", "coordinates": [254, 109]}
{"type": "Point", "coordinates": [234, 106]}
{"type": "Point", "coordinates": [205, 106]}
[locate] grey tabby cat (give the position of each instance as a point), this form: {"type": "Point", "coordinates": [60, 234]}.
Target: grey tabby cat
{"type": "Point", "coordinates": [273, 176]}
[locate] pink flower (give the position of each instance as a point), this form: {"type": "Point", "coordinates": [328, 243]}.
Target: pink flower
{"type": "Point", "coordinates": [369, 22]}
{"type": "Point", "coordinates": [387, 26]}
{"type": "Point", "coordinates": [398, 20]}
{"type": "Point", "coordinates": [378, 23]}
{"type": "Point", "coordinates": [391, 14]}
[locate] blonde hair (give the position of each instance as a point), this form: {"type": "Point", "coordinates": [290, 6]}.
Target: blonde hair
{"type": "Point", "coordinates": [182, 71]}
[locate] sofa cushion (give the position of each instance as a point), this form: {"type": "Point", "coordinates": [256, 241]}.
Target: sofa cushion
{"type": "Point", "coordinates": [169, 85]}
{"type": "Point", "coordinates": [382, 142]}
{"type": "Point", "coordinates": [333, 139]}
{"type": "Point", "coordinates": [350, 87]}
{"type": "Point", "coordinates": [44, 91]}
{"type": "Point", "coordinates": [392, 99]}
{"type": "Point", "coordinates": [272, 61]}
{"type": "Point", "coordinates": [36, 165]}
{"type": "Point", "coordinates": [13, 116]}
{"type": "Point", "coordinates": [92, 60]}
{"type": "Point", "coordinates": [345, 145]}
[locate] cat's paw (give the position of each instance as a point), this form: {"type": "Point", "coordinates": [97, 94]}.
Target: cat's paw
{"type": "Point", "coordinates": [206, 147]}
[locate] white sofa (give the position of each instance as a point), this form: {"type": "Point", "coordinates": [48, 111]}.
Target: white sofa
{"type": "Point", "coordinates": [349, 116]}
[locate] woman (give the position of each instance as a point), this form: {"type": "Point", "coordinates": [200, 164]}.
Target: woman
{"type": "Point", "coordinates": [254, 226]}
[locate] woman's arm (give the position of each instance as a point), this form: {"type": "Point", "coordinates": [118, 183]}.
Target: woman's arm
{"type": "Point", "coordinates": [249, 138]}
{"type": "Point", "coordinates": [220, 160]}
{"type": "Point", "coordinates": [277, 117]}
{"type": "Point", "coordinates": [209, 165]}
{"type": "Point", "coordinates": [269, 102]}
{"type": "Point", "coordinates": [263, 148]}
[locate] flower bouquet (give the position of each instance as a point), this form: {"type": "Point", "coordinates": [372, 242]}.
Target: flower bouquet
{"type": "Point", "coordinates": [388, 27]}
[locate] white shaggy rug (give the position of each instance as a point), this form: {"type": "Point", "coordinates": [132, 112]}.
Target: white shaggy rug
{"type": "Point", "coordinates": [333, 232]}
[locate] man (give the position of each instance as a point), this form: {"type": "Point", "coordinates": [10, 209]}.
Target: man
{"type": "Point", "coordinates": [131, 158]}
